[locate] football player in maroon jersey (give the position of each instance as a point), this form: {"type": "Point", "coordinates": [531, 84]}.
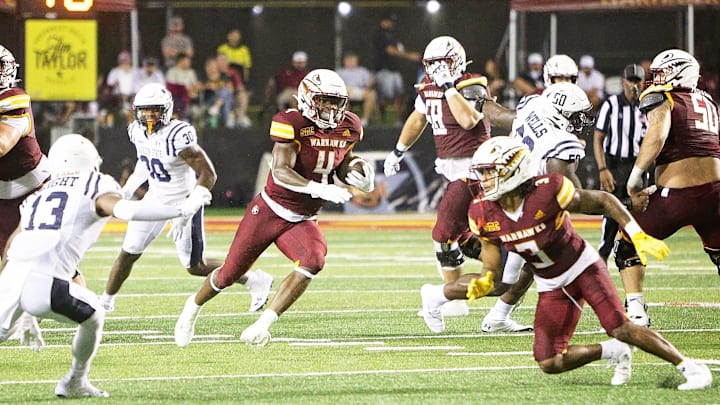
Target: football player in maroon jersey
{"type": "Point", "coordinates": [458, 130]}
{"type": "Point", "coordinates": [682, 141]}
{"type": "Point", "coordinates": [311, 143]}
{"type": "Point", "coordinates": [528, 215]}
{"type": "Point", "coordinates": [23, 167]}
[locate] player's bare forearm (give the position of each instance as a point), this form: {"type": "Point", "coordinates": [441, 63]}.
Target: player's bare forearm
{"type": "Point", "coordinates": [412, 129]}
{"type": "Point", "coordinates": [9, 137]}
{"type": "Point", "coordinates": [498, 115]}
{"type": "Point", "coordinates": [198, 160]}
{"type": "Point", "coordinates": [601, 202]}
{"type": "Point", "coordinates": [464, 113]}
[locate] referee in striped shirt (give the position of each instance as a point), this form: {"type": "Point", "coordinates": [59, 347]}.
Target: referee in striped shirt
{"type": "Point", "coordinates": [619, 130]}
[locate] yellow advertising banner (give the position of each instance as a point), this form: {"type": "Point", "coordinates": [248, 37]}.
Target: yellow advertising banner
{"type": "Point", "coordinates": [61, 60]}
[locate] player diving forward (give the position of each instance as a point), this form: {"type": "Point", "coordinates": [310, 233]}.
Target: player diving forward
{"type": "Point", "coordinates": [58, 224]}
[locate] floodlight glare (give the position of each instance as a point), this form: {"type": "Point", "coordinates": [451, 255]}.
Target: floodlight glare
{"type": "Point", "coordinates": [432, 6]}
{"type": "Point", "coordinates": [344, 8]}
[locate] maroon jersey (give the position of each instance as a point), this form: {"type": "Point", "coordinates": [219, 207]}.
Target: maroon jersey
{"type": "Point", "coordinates": [451, 140]}
{"type": "Point", "coordinates": [320, 153]}
{"type": "Point", "coordinates": [694, 127]}
{"type": "Point", "coordinates": [26, 154]}
{"type": "Point", "coordinates": [543, 234]}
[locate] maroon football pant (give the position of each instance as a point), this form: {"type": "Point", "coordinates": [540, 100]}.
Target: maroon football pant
{"type": "Point", "coordinates": [9, 219]}
{"type": "Point", "coordinates": [301, 242]}
{"type": "Point", "coordinates": [452, 213]}
{"type": "Point", "coordinates": [556, 315]}
{"type": "Point", "coordinates": [671, 209]}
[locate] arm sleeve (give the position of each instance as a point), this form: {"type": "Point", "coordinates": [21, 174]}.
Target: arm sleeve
{"type": "Point", "coordinates": [137, 178]}
{"type": "Point", "coordinates": [144, 211]}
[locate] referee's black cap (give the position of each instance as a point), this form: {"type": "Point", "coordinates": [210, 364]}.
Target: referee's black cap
{"type": "Point", "coordinates": [634, 71]}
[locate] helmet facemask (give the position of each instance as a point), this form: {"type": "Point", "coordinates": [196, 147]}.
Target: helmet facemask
{"type": "Point", "coordinates": [502, 164]}
{"type": "Point", "coordinates": [153, 106]}
{"type": "Point", "coordinates": [676, 68]}
{"type": "Point", "coordinates": [8, 69]}
{"type": "Point", "coordinates": [322, 98]}
{"type": "Point", "coordinates": [445, 49]}
{"type": "Point", "coordinates": [578, 121]}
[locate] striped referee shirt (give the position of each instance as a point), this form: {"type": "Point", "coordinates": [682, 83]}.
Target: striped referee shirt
{"type": "Point", "coordinates": [624, 127]}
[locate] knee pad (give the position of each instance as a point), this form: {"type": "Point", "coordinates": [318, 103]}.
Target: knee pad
{"type": "Point", "coordinates": [625, 254]}
{"type": "Point", "coordinates": [471, 247]}
{"type": "Point", "coordinates": [449, 254]}
{"type": "Point", "coordinates": [714, 257]}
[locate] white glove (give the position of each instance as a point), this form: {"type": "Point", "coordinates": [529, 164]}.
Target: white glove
{"type": "Point", "coordinates": [392, 163]}
{"type": "Point", "coordinates": [177, 228]}
{"type": "Point", "coordinates": [198, 197]}
{"type": "Point", "coordinates": [365, 181]}
{"type": "Point", "coordinates": [329, 192]}
{"type": "Point", "coordinates": [441, 74]}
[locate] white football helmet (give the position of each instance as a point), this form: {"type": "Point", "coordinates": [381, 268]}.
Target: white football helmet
{"type": "Point", "coordinates": [571, 108]}
{"type": "Point", "coordinates": [676, 68]}
{"type": "Point", "coordinates": [8, 68]}
{"type": "Point", "coordinates": [448, 49]}
{"type": "Point", "coordinates": [322, 98]}
{"type": "Point", "coordinates": [502, 164]}
{"type": "Point", "coordinates": [559, 66]}
{"type": "Point", "coordinates": [153, 96]}
{"type": "Point", "coordinates": [73, 153]}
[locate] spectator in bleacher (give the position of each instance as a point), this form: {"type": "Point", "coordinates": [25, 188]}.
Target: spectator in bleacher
{"type": "Point", "coordinates": [148, 74]}
{"type": "Point", "coordinates": [183, 83]}
{"type": "Point", "coordinates": [496, 79]}
{"type": "Point", "coordinates": [360, 84]}
{"type": "Point", "coordinates": [284, 84]}
{"type": "Point", "coordinates": [175, 42]}
{"type": "Point", "coordinates": [240, 92]}
{"type": "Point", "coordinates": [389, 51]}
{"type": "Point", "coordinates": [591, 80]}
{"type": "Point", "coordinates": [217, 95]}
{"type": "Point", "coordinates": [238, 53]}
{"type": "Point", "coordinates": [531, 80]}
{"type": "Point", "coordinates": [121, 83]}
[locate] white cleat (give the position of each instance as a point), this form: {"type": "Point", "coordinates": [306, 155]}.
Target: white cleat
{"type": "Point", "coordinates": [455, 308]}
{"type": "Point", "coordinates": [260, 290]}
{"type": "Point", "coordinates": [253, 335]}
{"type": "Point", "coordinates": [698, 377]}
{"type": "Point", "coordinates": [77, 387]}
{"type": "Point", "coordinates": [507, 325]}
{"type": "Point", "coordinates": [431, 311]}
{"type": "Point", "coordinates": [185, 326]}
{"type": "Point", "coordinates": [623, 365]}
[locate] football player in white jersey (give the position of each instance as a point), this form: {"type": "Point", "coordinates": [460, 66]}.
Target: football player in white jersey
{"type": "Point", "coordinates": [59, 222]}
{"type": "Point", "coordinates": [175, 166]}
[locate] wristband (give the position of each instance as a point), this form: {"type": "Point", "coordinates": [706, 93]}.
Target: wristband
{"type": "Point", "coordinates": [632, 228]}
{"type": "Point", "coordinates": [636, 172]}
{"type": "Point", "coordinates": [602, 169]}
{"type": "Point", "coordinates": [449, 90]}
{"type": "Point", "coordinates": [400, 148]}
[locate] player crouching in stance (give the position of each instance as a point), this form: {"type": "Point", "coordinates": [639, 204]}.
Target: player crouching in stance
{"type": "Point", "coordinates": [529, 215]}
{"type": "Point", "coordinates": [312, 144]}
{"type": "Point", "coordinates": [59, 222]}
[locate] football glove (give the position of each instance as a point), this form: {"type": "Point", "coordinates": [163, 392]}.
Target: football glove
{"type": "Point", "coordinates": [177, 228]}
{"type": "Point", "coordinates": [441, 75]}
{"type": "Point", "coordinates": [480, 287]}
{"type": "Point", "coordinates": [392, 163]}
{"type": "Point", "coordinates": [645, 244]}
{"type": "Point", "coordinates": [365, 181]}
{"type": "Point", "coordinates": [198, 197]}
{"type": "Point", "coordinates": [328, 192]}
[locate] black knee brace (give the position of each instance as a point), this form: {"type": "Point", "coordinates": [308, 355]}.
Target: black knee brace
{"type": "Point", "coordinates": [471, 247]}
{"type": "Point", "coordinates": [449, 257]}
{"type": "Point", "coordinates": [714, 257]}
{"type": "Point", "coordinates": [625, 254]}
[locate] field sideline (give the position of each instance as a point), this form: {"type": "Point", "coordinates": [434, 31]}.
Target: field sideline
{"type": "Point", "coordinates": [354, 337]}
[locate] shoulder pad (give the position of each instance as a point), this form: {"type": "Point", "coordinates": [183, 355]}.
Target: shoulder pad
{"type": "Point", "coordinates": [651, 100]}
{"type": "Point", "coordinates": [473, 92]}
{"type": "Point", "coordinates": [477, 80]}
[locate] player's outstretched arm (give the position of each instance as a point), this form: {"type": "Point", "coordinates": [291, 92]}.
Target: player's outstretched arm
{"type": "Point", "coordinates": [113, 204]}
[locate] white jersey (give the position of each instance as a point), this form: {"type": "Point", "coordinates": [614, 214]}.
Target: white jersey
{"type": "Point", "coordinates": [542, 136]}
{"type": "Point", "coordinates": [59, 222]}
{"type": "Point", "coordinates": [170, 178]}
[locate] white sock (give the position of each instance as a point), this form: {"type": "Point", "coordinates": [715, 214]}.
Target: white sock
{"type": "Point", "coordinates": [635, 297]}
{"type": "Point", "coordinates": [191, 304]}
{"type": "Point", "coordinates": [610, 348]}
{"type": "Point", "coordinates": [107, 297]}
{"type": "Point", "coordinates": [267, 318]}
{"type": "Point", "coordinates": [500, 311]}
{"type": "Point", "coordinates": [251, 278]}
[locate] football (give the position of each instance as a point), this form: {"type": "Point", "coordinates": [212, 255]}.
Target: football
{"type": "Point", "coordinates": [355, 164]}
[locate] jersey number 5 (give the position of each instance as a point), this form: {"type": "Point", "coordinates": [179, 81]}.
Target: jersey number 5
{"type": "Point", "coordinates": [709, 113]}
